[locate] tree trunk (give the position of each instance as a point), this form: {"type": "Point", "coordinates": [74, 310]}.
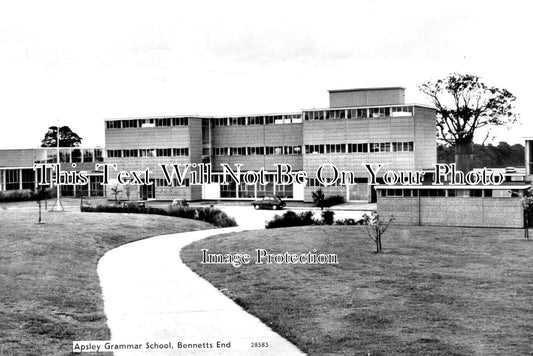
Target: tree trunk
{"type": "Point", "coordinates": [464, 154]}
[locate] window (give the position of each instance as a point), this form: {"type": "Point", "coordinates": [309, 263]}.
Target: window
{"type": "Point", "coordinates": [98, 155]}
{"type": "Point", "coordinates": [147, 152]}
{"type": "Point", "coordinates": [12, 179]}
{"type": "Point", "coordinates": [76, 156]}
{"type": "Point", "coordinates": [374, 147]}
{"type": "Point", "coordinates": [113, 124]}
{"type": "Point", "coordinates": [130, 153]}
{"type": "Point", "coordinates": [114, 153]}
{"type": "Point", "coordinates": [87, 156]}
{"type": "Point", "coordinates": [476, 192]}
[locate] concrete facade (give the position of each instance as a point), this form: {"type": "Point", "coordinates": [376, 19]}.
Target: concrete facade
{"type": "Point", "coordinates": [377, 127]}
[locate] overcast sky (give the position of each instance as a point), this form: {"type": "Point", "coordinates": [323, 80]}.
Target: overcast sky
{"type": "Point", "coordinates": [84, 62]}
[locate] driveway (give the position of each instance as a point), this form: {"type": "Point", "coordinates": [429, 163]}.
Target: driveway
{"type": "Point", "coordinates": [250, 219]}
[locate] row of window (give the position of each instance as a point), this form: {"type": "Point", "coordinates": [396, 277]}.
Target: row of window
{"type": "Point", "coordinates": [76, 155]}
{"type": "Point", "coordinates": [257, 120]}
{"type": "Point", "coordinates": [311, 149]}
{"type": "Point", "coordinates": [333, 114]}
{"type": "Point", "coordinates": [14, 180]}
{"type": "Point", "coordinates": [160, 182]}
{"type": "Point", "coordinates": [361, 147]}
{"type": "Point", "coordinates": [156, 122]}
{"type": "Point", "coordinates": [487, 193]}
{"type": "Point", "coordinates": [259, 150]}
{"type": "Point", "coordinates": [149, 152]}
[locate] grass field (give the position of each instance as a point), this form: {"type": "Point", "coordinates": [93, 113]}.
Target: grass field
{"type": "Point", "coordinates": [49, 290]}
{"type": "Point", "coordinates": [433, 291]}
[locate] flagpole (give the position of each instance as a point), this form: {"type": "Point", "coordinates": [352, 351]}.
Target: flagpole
{"type": "Point", "coordinates": [57, 205]}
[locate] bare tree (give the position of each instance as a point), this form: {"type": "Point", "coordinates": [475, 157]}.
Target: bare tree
{"type": "Point", "coordinates": [376, 227]}
{"type": "Point", "coordinates": [116, 191]}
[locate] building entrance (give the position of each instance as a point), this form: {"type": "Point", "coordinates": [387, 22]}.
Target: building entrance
{"type": "Point", "coordinates": [147, 191]}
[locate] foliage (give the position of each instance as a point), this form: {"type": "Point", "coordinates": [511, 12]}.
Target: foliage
{"type": "Point", "coordinates": [318, 198]}
{"type": "Point", "coordinates": [116, 191]}
{"type": "Point", "coordinates": [67, 138]}
{"type": "Point", "coordinates": [290, 218]}
{"type": "Point", "coordinates": [213, 216]}
{"type": "Point", "coordinates": [376, 227]}
{"type": "Point", "coordinates": [527, 203]}
{"type": "Point", "coordinates": [322, 202]}
{"type": "Point", "coordinates": [464, 104]}
{"type": "Point", "coordinates": [349, 221]}
{"type": "Point", "coordinates": [500, 156]}
{"type": "Point", "coordinates": [333, 200]}
{"type": "Point", "coordinates": [328, 217]}
{"type": "Point", "coordinates": [127, 190]}
{"type": "Point", "coordinates": [25, 195]}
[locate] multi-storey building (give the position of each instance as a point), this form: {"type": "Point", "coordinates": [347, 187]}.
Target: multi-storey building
{"type": "Point", "coordinates": [361, 126]}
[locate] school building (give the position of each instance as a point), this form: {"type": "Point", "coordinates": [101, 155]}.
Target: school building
{"type": "Point", "coordinates": [360, 126]}
{"type": "Point", "coordinates": [17, 169]}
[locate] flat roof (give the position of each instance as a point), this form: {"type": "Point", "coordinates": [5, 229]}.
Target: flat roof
{"type": "Point", "coordinates": [200, 116]}
{"type": "Point", "coordinates": [365, 89]}
{"type": "Point", "coordinates": [373, 106]}
{"type": "Point", "coordinates": [493, 187]}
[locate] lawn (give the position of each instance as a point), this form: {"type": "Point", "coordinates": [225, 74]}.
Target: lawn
{"type": "Point", "coordinates": [49, 288]}
{"type": "Point", "coordinates": [433, 291]}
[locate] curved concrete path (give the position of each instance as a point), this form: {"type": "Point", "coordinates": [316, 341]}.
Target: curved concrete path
{"type": "Point", "coordinates": [151, 295]}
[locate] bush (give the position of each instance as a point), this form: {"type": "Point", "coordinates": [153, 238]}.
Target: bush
{"type": "Point", "coordinates": [183, 212]}
{"type": "Point", "coordinates": [318, 198]}
{"type": "Point", "coordinates": [213, 216]}
{"type": "Point", "coordinates": [24, 195]}
{"type": "Point", "coordinates": [349, 221]}
{"type": "Point", "coordinates": [327, 217]}
{"type": "Point", "coordinates": [333, 200]}
{"type": "Point", "coordinates": [322, 202]}
{"type": "Point", "coordinates": [290, 218]}
{"type": "Point", "coordinates": [216, 217]}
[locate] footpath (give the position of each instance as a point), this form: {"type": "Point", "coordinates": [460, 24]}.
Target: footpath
{"type": "Point", "coordinates": [150, 295]}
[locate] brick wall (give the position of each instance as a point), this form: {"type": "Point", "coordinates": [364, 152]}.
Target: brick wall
{"type": "Point", "coordinates": [454, 211]}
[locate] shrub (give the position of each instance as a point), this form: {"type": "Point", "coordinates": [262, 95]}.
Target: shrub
{"type": "Point", "coordinates": [333, 200]}
{"type": "Point", "coordinates": [216, 217]}
{"type": "Point", "coordinates": [213, 216]}
{"type": "Point", "coordinates": [24, 195]}
{"type": "Point", "coordinates": [349, 221]}
{"type": "Point", "coordinates": [290, 218]}
{"type": "Point", "coordinates": [318, 198]}
{"type": "Point", "coordinates": [327, 217]}
{"type": "Point", "coordinates": [183, 212]}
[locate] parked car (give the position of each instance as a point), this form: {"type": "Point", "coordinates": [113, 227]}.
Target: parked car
{"type": "Point", "coordinates": [136, 204]}
{"type": "Point", "coordinates": [269, 202]}
{"type": "Point", "coordinates": [179, 202]}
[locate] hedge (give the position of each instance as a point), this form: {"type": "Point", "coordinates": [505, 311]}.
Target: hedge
{"type": "Point", "coordinates": [210, 215]}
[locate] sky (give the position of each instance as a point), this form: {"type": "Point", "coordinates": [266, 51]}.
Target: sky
{"type": "Point", "coordinates": [79, 63]}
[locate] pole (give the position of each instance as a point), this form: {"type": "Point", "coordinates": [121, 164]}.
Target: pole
{"type": "Point", "coordinates": [57, 205]}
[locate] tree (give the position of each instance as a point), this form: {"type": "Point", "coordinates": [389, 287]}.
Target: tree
{"type": "Point", "coordinates": [67, 138]}
{"type": "Point", "coordinates": [39, 193]}
{"type": "Point", "coordinates": [376, 227]}
{"type": "Point", "coordinates": [127, 190]}
{"type": "Point", "coordinates": [318, 198]}
{"type": "Point", "coordinates": [464, 105]}
{"type": "Point", "coordinates": [116, 191]}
